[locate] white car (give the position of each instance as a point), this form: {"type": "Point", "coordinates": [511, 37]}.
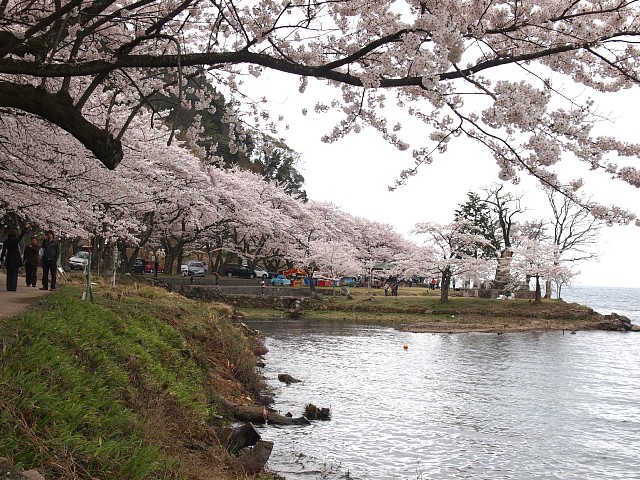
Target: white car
{"type": "Point", "coordinates": [260, 272]}
{"type": "Point", "coordinates": [79, 261]}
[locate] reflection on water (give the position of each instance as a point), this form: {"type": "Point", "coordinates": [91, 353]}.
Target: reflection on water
{"type": "Point", "coordinates": [533, 405]}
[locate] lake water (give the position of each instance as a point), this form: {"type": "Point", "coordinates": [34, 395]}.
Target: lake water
{"type": "Point", "coordinates": [478, 406]}
{"type": "Point", "coordinates": [623, 301]}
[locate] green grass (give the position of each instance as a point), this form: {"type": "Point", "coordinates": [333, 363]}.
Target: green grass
{"type": "Point", "coordinates": [77, 376]}
{"type": "Point", "coordinates": [61, 381]}
{"type": "Point", "coordinates": [418, 305]}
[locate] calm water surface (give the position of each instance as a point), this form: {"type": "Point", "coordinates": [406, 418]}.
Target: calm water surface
{"type": "Point", "coordinates": [514, 406]}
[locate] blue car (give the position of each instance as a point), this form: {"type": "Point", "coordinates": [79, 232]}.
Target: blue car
{"type": "Point", "coordinates": [347, 282]}
{"type": "Point", "coordinates": [280, 280]}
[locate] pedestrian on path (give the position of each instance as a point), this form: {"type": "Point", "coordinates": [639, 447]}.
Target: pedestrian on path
{"type": "Point", "coordinates": [31, 259]}
{"type": "Point", "coordinates": [50, 254]}
{"type": "Point", "coordinates": [11, 257]}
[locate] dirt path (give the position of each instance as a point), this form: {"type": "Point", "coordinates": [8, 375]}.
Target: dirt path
{"type": "Point", "coordinates": [12, 303]}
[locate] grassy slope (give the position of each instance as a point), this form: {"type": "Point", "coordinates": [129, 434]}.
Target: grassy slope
{"type": "Point", "coordinates": [124, 388]}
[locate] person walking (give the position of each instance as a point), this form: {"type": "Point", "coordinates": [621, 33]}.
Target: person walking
{"type": "Point", "coordinates": [30, 259]}
{"type": "Point", "coordinates": [11, 257]}
{"type": "Point", "coordinates": [50, 255]}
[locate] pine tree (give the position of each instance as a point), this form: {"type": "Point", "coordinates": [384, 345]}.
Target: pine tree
{"type": "Point", "coordinates": [478, 213]}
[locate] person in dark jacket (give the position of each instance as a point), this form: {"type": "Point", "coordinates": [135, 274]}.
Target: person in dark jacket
{"type": "Point", "coordinates": [11, 256]}
{"type": "Point", "coordinates": [50, 254]}
{"type": "Point", "coordinates": [31, 259]}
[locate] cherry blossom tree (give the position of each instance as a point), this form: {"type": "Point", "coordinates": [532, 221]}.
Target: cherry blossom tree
{"type": "Point", "coordinates": [253, 214]}
{"type": "Point", "coordinates": [378, 243]}
{"type": "Point", "coordinates": [314, 224]}
{"type": "Point", "coordinates": [537, 259]}
{"type": "Point", "coordinates": [501, 73]}
{"type": "Point", "coordinates": [417, 262]}
{"type": "Point", "coordinates": [450, 246]}
{"type": "Point", "coordinates": [336, 257]}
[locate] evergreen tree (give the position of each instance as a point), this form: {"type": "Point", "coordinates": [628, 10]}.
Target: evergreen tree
{"type": "Point", "coordinates": [257, 152]}
{"type": "Point", "coordinates": [478, 213]}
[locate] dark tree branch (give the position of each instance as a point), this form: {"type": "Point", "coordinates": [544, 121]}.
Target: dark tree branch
{"type": "Point", "coordinates": [60, 110]}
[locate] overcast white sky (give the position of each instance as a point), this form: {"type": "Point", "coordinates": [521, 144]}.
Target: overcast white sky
{"type": "Point", "coordinates": [354, 173]}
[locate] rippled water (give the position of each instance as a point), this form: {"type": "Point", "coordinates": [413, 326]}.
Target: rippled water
{"type": "Point", "coordinates": [623, 301]}
{"type": "Point", "coordinates": [514, 406]}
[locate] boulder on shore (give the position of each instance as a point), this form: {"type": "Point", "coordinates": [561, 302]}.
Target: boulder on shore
{"type": "Point", "coordinates": [288, 379]}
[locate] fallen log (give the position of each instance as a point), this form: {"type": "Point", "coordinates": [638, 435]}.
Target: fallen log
{"type": "Point", "coordinates": [253, 461]}
{"type": "Point", "coordinates": [250, 413]}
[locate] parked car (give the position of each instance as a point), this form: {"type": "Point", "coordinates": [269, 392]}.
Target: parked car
{"type": "Point", "coordinates": [196, 268]}
{"type": "Point", "coordinates": [237, 270]}
{"type": "Point", "coordinates": [138, 266]}
{"type": "Point", "coordinates": [263, 272]}
{"type": "Point", "coordinates": [79, 260]}
{"type": "Point", "coordinates": [347, 282]}
{"type": "Point", "coordinates": [280, 280]}
{"type": "Point", "coordinates": [149, 267]}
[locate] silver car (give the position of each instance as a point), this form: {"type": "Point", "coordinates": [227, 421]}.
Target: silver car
{"type": "Point", "coordinates": [196, 268]}
{"type": "Point", "coordinates": [79, 261]}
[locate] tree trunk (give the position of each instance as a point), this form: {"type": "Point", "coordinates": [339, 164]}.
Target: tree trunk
{"type": "Point", "coordinates": [241, 437]}
{"type": "Point", "coordinates": [132, 259]}
{"type": "Point", "coordinates": [254, 414]}
{"type": "Point", "coordinates": [312, 286]}
{"type": "Point", "coordinates": [444, 285]}
{"type": "Point", "coordinates": [538, 290]}
{"type": "Point", "coordinates": [253, 461]}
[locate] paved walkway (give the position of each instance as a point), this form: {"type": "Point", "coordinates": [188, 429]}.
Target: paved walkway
{"type": "Point", "coordinates": [12, 303]}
